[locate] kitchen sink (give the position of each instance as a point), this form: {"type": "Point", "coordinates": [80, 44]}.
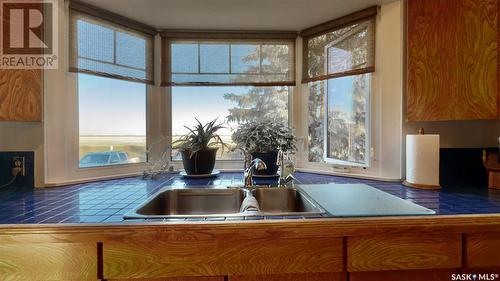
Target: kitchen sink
{"type": "Point", "coordinates": [285, 201]}
{"type": "Point", "coordinates": [204, 202]}
{"type": "Point", "coordinates": [191, 203]}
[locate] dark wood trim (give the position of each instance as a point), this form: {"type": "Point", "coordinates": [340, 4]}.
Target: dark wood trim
{"type": "Point", "coordinates": [339, 22]}
{"type": "Point", "coordinates": [339, 74]}
{"type": "Point", "coordinates": [228, 34]}
{"type": "Point", "coordinates": [107, 75]}
{"type": "Point", "coordinates": [112, 17]}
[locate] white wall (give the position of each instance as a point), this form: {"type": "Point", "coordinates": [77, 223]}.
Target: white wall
{"type": "Point", "coordinates": [24, 136]}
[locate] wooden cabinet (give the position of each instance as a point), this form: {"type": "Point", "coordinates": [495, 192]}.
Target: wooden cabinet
{"type": "Point", "coordinates": [206, 255]}
{"type": "Point", "coordinates": [21, 95]}
{"type": "Point", "coordinates": [407, 275]}
{"type": "Point", "coordinates": [483, 250]}
{"type": "Point", "coordinates": [452, 60]}
{"type": "Point", "coordinates": [48, 261]}
{"type": "Point", "coordinates": [403, 252]}
{"type": "Point", "coordinates": [290, 277]}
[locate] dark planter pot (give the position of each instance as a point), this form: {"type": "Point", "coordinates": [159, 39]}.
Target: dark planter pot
{"type": "Point", "coordinates": [202, 162]}
{"type": "Point", "coordinates": [271, 159]}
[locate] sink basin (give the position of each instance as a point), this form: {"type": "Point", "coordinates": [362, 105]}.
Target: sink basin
{"type": "Point", "coordinates": [191, 203]}
{"type": "Point", "coordinates": [285, 201]}
{"type": "Point", "coordinates": [224, 202]}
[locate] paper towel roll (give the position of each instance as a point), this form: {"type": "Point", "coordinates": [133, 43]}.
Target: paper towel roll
{"type": "Point", "coordinates": [422, 161]}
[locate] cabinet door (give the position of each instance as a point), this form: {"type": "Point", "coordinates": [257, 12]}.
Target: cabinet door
{"type": "Point", "coordinates": [404, 252]}
{"type": "Point", "coordinates": [21, 95]}
{"type": "Point", "coordinates": [337, 276]}
{"type": "Point", "coordinates": [431, 59]}
{"type": "Point", "coordinates": [48, 261]}
{"type": "Point", "coordinates": [407, 275]}
{"type": "Point", "coordinates": [217, 278]}
{"type": "Point", "coordinates": [452, 60]}
{"type": "Point", "coordinates": [477, 95]}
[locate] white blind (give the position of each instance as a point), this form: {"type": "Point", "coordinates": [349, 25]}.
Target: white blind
{"type": "Point", "coordinates": [252, 62]}
{"type": "Point", "coordinates": [106, 48]}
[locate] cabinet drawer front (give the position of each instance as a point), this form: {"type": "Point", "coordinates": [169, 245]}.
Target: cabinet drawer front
{"type": "Point", "coordinates": [50, 261]}
{"type": "Point", "coordinates": [214, 257]}
{"type": "Point", "coordinates": [483, 250]}
{"type": "Point", "coordinates": [403, 252]}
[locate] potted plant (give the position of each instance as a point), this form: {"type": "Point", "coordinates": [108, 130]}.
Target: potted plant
{"type": "Point", "coordinates": [264, 139]}
{"type": "Point", "coordinates": [199, 147]}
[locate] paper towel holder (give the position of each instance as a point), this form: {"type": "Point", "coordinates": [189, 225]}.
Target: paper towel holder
{"type": "Point", "coordinates": [416, 185]}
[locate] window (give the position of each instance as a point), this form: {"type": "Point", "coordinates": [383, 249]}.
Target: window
{"type": "Point", "coordinates": [112, 121]}
{"type": "Point", "coordinates": [339, 59]}
{"type": "Point", "coordinates": [231, 105]}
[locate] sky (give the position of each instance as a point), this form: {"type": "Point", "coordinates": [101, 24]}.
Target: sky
{"type": "Point", "coordinates": [117, 107]}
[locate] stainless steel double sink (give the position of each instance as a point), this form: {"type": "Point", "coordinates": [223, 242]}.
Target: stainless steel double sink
{"type": "Point", "coordinates": [225, 202]}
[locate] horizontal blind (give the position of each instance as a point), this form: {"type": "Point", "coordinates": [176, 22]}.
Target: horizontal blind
{"type": "Point", "coordinates": [245, 62]}
{"type": "Point", "coordinates": [105, 48]}
{"type": "Point", "coordinates": [336, 51]}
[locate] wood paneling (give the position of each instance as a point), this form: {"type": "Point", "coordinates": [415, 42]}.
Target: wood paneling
{"type": "Point", "coordinates": [337, 276]}
{"type": "Point", "coordinates": [209, 255]}
{"type": "Point", "coordinates": [20, 95]}
{"type": "Point", "coordinates": [406, 275]}
{"type": "Point", "coordinates": [483, 250]}
{"type": "Point", "coordinates": [451, 60]}
{"type": "Point", "coordinates": [48, 261]}
{"type": "Point", "coordinates": [377, 253]}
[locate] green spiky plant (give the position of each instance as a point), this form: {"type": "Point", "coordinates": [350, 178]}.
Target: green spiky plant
{"type": "Point", "coordinates": [201, 137]}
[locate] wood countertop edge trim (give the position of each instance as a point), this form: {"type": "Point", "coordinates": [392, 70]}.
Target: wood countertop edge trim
{"type": "Point", "coordinates": [340, 226]}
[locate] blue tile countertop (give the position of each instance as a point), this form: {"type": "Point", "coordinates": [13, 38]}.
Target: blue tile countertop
{"type": "Point", "coordinates": [107, 201]}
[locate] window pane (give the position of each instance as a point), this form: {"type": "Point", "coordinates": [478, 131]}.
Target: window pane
{"type": "Point", "coordinates": [95, 42]}
{"type": "Point", "coordinates": [130, 50]}
{"type": "Point", "coordinates": [214, 58]}
{"type": "Point", "coordinates": [184, 58]}
{"type": "Point", "coordinates": [347, 118]}
{"type": "Point", "coordinates": [112, 121]}
{"type": "Point", "coordinates": [245, 58]}
{"type": "Point", "coordinates": [274, 58]}
{"type": "Point", "coordinates": [232, 105]}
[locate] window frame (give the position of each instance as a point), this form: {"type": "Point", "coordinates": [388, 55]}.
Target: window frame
{"type": "Point", "coordinates": [147, 90]}
{"type": "Point", "coordinates": [368, 147]}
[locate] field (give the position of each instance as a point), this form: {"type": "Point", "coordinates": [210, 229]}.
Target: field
{"type": "Point", "coordinates": [135, 146]}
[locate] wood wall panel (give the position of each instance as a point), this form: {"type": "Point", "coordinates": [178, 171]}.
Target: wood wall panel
{"type": "Point", "coordinates": [212, 257]}
{"type": "Point", "coordinates": [48, 261]}
{"type": "Point", "coordinates": [431, 41]}
{"type": "Point", "coordinates": [477, 60]}
{"type": "Point", "coordinates": [21, 95]}
{"type": "Point", "coordinates": [378, 253]}
{"type": "Point", "coordinates": [483, 250]}
{"type": "Point", "coordinates": [335, 276]}
{"type": "Point", "coordinates": [452, 60]}
{"type": "Point", "coordinates": [407, 275]}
